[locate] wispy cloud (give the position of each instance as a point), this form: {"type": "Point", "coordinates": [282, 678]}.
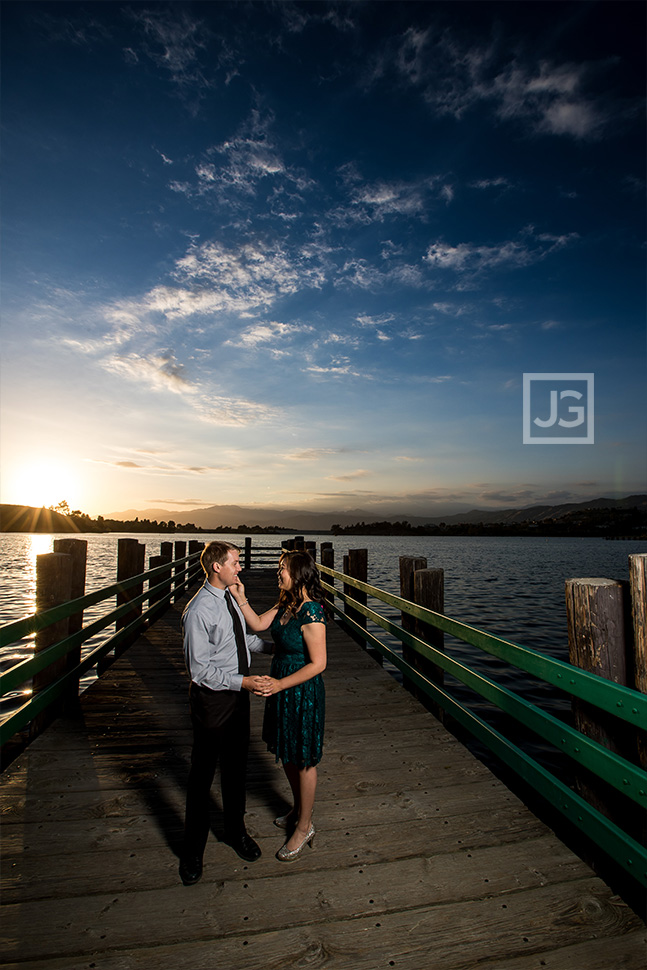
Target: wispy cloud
{"type": "Point", "coordinates": [338, 367]}
{"type": "Point", "coordinates": [163, 373]}
{"type": "Point", "coordinates": [160, 373]}
{"type": "Point", "coordinates": [454, 78]}
{"type": "Point", "coordinates": [175, 41]}
{"type": "Point", "coordinates": [471, 259]}
{"type": "Point", "coordinates": [316, 454]}
{"type": "Point", "coordinates": [378, 200]}
{"type": "Point", "coordinates": [350, 476]}
{"type": "Point", "coordinates": [266, 333]}
{"type": "Point", "coordinates": [249, 168]}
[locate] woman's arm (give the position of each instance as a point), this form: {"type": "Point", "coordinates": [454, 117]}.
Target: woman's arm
{"type": "Point", "coordinates": [253, 621]}
{"type": "Point", "coordinates": [314, 635]}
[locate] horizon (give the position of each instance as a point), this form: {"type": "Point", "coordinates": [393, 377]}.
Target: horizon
{"type": "Point", "coordinates": [404, 515]}
{"type": "Point", "coordinates": [301, 256]}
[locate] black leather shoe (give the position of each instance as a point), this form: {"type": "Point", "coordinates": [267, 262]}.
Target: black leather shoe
{"type": "Point", "coordinates": [190, 870]}
{"type": "Point", "coordinates": [245, 846]}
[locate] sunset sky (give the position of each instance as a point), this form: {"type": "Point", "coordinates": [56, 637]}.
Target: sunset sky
{"type": "Point", "coordinates": [300, 255]}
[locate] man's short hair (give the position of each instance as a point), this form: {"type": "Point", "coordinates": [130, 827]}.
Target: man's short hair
{"type": "Point", "coordinates": [216, 551]}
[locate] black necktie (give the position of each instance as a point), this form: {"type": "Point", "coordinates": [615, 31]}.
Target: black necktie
{"type": "Point", "coordinates": [243, 666]}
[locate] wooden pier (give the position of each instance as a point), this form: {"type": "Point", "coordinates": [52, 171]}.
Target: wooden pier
{"type": "Point", "coordinates": [423, 860]}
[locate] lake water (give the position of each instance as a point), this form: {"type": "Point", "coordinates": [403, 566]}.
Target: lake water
{"type": "Point", "coordinates": [509, 586]}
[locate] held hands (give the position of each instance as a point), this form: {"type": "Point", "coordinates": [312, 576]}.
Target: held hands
{"type": "Point", "coordinates": [264, 686]}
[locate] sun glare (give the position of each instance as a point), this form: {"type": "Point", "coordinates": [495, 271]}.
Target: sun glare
{"type": "Point", "coordinates": [44, 483]}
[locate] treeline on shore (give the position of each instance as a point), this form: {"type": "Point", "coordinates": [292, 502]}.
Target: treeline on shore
{"type": "Point", "coordinates": [605, 522]}
{"type": "Point", "coordinates": [23, 518]}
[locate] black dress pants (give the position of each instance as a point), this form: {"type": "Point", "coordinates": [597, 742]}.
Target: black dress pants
{"type": "Point", "coordinates": [220, 722]}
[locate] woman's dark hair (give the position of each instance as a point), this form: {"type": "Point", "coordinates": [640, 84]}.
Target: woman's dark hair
{"type": "Point", "coordinates": [305, 578]}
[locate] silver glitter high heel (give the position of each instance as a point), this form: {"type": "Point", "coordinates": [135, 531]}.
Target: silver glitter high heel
{"type": "Point", "coordinates": [289, 855]}
{"type": "Point", "coordinates": [283, 821]}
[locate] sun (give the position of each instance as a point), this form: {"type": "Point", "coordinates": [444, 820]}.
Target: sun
{"type": "Point", "coordinates": [43, 483]}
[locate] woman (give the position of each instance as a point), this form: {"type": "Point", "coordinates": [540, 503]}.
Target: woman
{"type": "Point", "coordinates": [295, 709]}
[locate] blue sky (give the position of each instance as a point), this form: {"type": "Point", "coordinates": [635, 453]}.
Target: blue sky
{"type": "Point", "coordinates": [301, 254]}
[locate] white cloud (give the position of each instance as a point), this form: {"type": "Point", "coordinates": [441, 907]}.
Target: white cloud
{"type": "Point", "coordinates": [264, 333]}
{"type": "Point", "coordinates": [163, 373]}
{"type": "Point", "coordinates": [473, 259]}
{"type": "Point", "coordinates": [376, 201]}
{"type": "Point", "coordinates": [158, 372]}
{"type": "Point", "coordinates": [350, 476]}
{"type": "Point", "coordinates": [338, 367]}
{"type": "Point", "coordinates": [363, 274]}
{"type": "Point", "coordinates": [233, 172]}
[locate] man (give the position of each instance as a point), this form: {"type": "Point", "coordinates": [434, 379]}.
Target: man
{"type": "Point", "coordinates": [216, 649]}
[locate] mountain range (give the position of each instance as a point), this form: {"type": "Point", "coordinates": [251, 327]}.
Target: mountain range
{"type": "Point", "coordinates": [232, 516]}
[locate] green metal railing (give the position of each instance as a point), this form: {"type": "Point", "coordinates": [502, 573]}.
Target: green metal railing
{"type": "Point", "coordinates": [626, 704]}
{"type": "Point", "coordinates": [172, 578]}
{"type": "Point", "coordinates": [160, 590]}
{"type": "Point", "coordinates": [165, 582]}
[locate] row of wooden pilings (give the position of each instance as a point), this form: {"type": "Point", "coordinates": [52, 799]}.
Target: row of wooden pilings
{"type": "Point", "coordinates": [607, 619]}
{"type": "Point", "coordinates": [61, 577]}
{"type": "Point", "coordinates": [607, 636]}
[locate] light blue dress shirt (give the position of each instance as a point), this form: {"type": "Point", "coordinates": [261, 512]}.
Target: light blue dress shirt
{"type": "Point", "coordinates": [210, 642]}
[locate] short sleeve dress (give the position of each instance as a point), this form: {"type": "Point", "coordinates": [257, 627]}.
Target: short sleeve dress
{"type": "Point", "coordinates": [293, 724]}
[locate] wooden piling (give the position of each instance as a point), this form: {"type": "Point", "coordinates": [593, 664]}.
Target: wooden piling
{"type": "Point", "coordinates": [164, 578]}
{"type": "Point", "coordinates": [638, 585]}
{"type": "Point", "coordinates": [179, 583]}
{"type": "Point", "coordinates": [357, 569]}
{"type": "Point", "coordinates": [196, 572]}
{"type": "Point", "coordinates": [327, 554]}
{"type": "Point", "coordinates": [596, 614]}
{"type": "Point", "coordinates": [247, 555]}
{"type": "Point", "coordinates": [429, 591]}
{"type": "Point", "coordinates": [131, 558]}
{"type": "Point", "coordinates": [53, 587]}
{"type": "Point", "coordinates": [408, 567]}
{"type": "Point", "coordinates": [77, 550]}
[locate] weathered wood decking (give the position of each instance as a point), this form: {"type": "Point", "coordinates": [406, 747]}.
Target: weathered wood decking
{"type": "Point", "coordinates": [423, 859]}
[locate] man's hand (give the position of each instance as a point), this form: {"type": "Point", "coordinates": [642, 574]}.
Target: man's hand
{"type": "Point", "coordinates": [256, 685]}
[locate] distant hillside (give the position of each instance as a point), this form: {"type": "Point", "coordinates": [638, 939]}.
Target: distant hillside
{"type": "Point", "coordinates": [22, 518]}
{"type": "Point", "coordinates": [232, 516]}
{"type": "Point", "coordinates": [539, 513]}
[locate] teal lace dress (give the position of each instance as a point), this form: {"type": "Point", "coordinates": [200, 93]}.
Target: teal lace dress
{"type": "Point", "coordinates": [293, 724]}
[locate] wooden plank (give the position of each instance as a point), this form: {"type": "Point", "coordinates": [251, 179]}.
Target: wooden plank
{"type": "Point", "coordinates": [419, 849]}
{"type": "Point", "coordinates": [459, 935]}
{"type": "Point", "coordinates": [365, 890]}
{"type": "Point", "coordinates": [138, 855]}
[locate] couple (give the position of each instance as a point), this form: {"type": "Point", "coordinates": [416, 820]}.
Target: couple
{"type": "Point", "coordinates": [217, 652]}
